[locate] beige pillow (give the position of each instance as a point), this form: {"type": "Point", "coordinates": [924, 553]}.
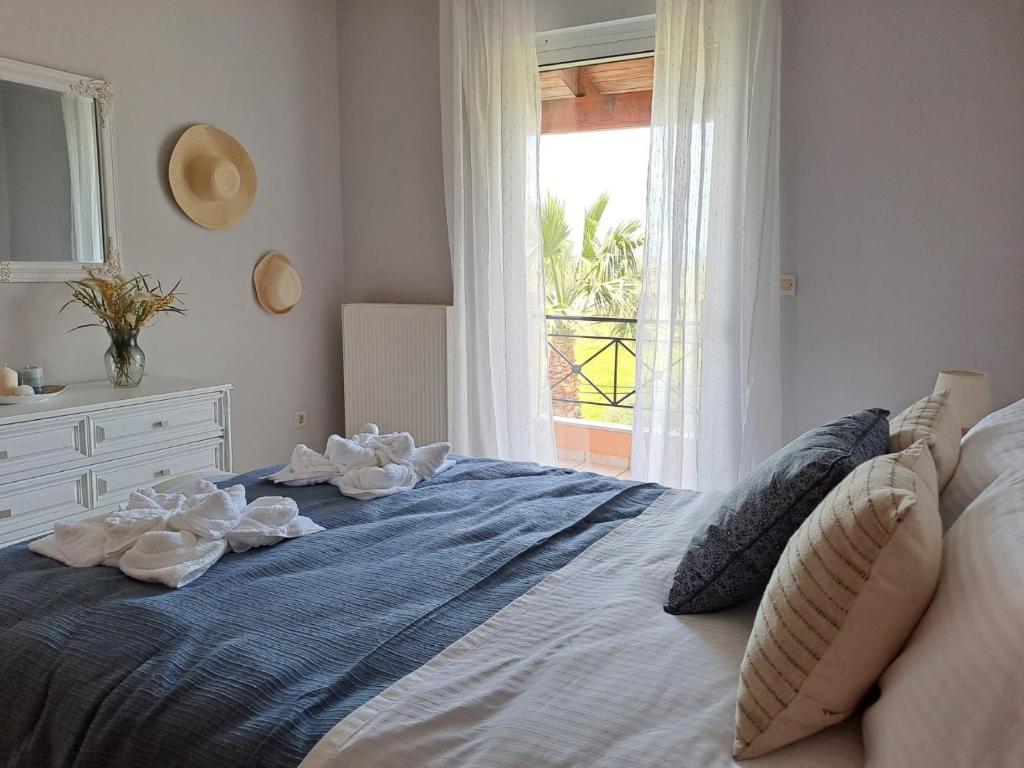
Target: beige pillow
{"type": "Point", "coordinates": [955, 696]}
{"type": "Point", "coordinates": [933, 420]}
{"type": "Point", "coordinates": [845, 595]}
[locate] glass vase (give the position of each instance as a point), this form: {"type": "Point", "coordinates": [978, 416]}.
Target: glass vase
{"type": "Point", "coordinates": [124, 359]}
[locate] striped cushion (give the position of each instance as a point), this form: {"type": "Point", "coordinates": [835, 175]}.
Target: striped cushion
{"type": "Point", "coordinates": [846, 593]}
{"type": "Point", "coordinates": [933, 420]}
{"type": "Point", "coordinates": [954, 697]}
{"type": "Point", "coordinates": [994, 445]}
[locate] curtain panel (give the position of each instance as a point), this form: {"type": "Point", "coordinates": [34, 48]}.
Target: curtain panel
{"type": "Point", "coordinates": [708, 405]}
{"type": "Point", "coordinates": [490, 108]}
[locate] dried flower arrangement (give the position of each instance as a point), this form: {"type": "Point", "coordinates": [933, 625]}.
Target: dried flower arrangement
{"type": "Point", "coordinates": [124, 306]}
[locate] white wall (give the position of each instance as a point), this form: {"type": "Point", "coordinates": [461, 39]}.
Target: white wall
{"type": "Point", "coordinates": [903, 199]}
{"type": "Point", "coordinates": [266, 72]}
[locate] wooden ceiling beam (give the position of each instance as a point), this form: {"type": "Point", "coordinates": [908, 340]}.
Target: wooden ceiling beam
{"type": "Point", "coordinates": [606, 78]}
{"type": "Point", "coordinates": [571, 78]}
{"type": "Point", "coordinates": [597, 112]}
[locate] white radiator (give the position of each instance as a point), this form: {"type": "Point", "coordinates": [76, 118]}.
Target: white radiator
{"type": "Point", "coordinates": [395, 359]}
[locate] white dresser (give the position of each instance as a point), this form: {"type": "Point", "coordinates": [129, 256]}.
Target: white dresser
{"type": "Point", "coordinates": [85, 450]}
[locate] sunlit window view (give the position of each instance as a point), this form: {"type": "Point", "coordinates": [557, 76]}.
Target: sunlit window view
{"type": "Point", "coordinates": [593, 175]}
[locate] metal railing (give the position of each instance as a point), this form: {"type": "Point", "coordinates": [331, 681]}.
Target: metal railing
{"type": "Point", "coordinates": [591, 386]}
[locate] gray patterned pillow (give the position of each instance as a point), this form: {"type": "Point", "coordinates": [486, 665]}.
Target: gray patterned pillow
{"type": "Point", "coordinates": [732, 556]}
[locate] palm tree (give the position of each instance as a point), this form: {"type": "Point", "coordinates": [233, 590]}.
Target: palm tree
{"type": "Point", "coordinates": [602, 278]}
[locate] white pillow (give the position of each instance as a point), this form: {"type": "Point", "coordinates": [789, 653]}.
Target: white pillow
{"type": "Point", "coordinates": [993, 445]}
{"type": "Point", "coordinates": [955, 696]}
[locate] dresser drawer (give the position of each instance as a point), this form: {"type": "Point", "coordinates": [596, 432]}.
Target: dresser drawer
{"type": "Point", "coordinates": [113, 481]}
{"type": "Point", "coordinates": [154, 425]}
{"type": "Point", "coordinates": [40, 447]}
{"type": "Point", "coordinates": [32, 507]}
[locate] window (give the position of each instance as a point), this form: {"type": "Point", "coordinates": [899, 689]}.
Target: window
{"type": "Point", "coordinates": [593, 173]}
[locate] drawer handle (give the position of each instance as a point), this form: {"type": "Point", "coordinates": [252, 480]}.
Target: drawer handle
{"type": "Point", "coordinates": [162, 473]}
{"type": "Point", "coordinates": [5, 513]}
{"type": "Point", "coordinates": [3, 455]}
{"type": "Point", "coordinates": [161, 424]}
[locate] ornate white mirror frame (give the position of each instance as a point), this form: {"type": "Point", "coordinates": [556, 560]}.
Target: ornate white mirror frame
{"type": "Point", "coordinates": [103, 97]}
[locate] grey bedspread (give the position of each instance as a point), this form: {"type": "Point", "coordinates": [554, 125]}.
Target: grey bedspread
{"type": "Point", "coordinates": [254, 662]}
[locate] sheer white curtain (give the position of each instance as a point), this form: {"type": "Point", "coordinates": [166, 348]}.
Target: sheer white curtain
{"type": "Point", "coordinates": [708, 373]}
{"type": "Point", "coordinates": [490, 107]}
{"type": "Point", "coordinates": [83, 161]}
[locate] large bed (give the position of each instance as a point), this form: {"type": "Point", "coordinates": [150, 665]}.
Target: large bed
{"type": "Point", "coordinates": [500, 614]}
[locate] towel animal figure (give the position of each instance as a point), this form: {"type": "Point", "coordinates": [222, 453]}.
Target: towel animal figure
{"type": "Point", "coordinates": [368, 465]}
{"type": "Point", "coordinates": [174, 538]}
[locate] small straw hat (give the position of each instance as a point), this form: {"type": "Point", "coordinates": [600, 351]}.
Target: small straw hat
{"type": "Point", "coordinates": [278, 287]}
{"type": "Point", "coordinates": [212, 177]}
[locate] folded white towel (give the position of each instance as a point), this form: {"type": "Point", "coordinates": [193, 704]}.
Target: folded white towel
{"type": "Point", "coordinates": [126, 527]}
{"type": "Point", "coordinates": [307, 467]}
{"type": "Point", "coordinates": [351, 454]}
{"type": "Point", "coordinates": [80, 544]}
{"type": "Point", "coordinates": [373, 482]}
{"type": "Point", "coordinates": [174, 538]}
{"type": "Point", "coordinates": [174, 558]}
{"type": "Point", "coordinates": [267, 521]}
{"type": "Point", "coordinates": [430, 460]}
{"type": "Point", "coordinates": [99, 540]}
{"type": "Point", "coordinates": [210, 515]}
{"type": "Point", "coordinates": [368, 465]}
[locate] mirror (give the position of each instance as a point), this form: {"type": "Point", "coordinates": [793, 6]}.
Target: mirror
{"type": "Point", "coordinates": [56, 175]}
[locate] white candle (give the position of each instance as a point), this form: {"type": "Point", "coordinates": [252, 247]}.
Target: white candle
{"type": "Point", "coordinates": [8, 379]}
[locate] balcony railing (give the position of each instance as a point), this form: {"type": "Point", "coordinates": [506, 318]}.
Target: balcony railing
{"type": "Point", "coordinates": [591, 362]}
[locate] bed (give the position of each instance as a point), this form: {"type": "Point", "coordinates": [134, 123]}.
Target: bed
{"type": "Point", "coordinates": [500, 614]}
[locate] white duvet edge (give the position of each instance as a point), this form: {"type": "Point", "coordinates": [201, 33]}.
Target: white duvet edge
{"type": "Point", "coordinates": [504, 620]}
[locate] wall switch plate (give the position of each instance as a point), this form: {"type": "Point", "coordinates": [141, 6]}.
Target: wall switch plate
{"type": "Point", "coordinates": [299, 418]}
{"type": "Point", "coordinates": [787, 285]}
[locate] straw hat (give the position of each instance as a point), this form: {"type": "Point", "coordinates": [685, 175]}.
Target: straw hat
{"type": "Point", "coordinates": [278, 287]}
{"type": "Point", "coordinates": [212, 177]}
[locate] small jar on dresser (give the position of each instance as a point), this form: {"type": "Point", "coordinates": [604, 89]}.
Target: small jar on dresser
{"type": "Point", "coordinates": [84, 451]}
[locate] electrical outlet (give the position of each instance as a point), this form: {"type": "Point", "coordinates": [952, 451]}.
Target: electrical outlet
{"type": "Point", "coordinates": [299, 418]}
{"type": "Point", "coordinates": [787, 285]}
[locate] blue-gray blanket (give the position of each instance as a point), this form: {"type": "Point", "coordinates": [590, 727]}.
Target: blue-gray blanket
{"type": "Point", "coordinates": [255, 661]}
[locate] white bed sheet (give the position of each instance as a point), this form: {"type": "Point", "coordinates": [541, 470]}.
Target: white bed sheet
{"type": "Point", "coordinates": [585, 669]}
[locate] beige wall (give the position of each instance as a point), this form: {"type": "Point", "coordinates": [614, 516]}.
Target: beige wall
{"type": "Point", "coordinates": [395, 233]}
{"type": "Point", "coordinates": [903, 199]}
{"type": "Point", "coordinates": [266, 72]}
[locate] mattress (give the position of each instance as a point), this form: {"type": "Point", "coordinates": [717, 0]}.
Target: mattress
{"type": "Point", "coordinates": [585, 669]}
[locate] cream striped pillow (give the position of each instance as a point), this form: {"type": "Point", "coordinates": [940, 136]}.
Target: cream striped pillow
{"type": "Point", "coordinates": [845, 595]}
{"type": "Point", "coordinates": [934, 420]}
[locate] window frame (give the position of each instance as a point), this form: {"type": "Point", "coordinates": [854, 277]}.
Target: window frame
{"type": "Point", "coordinates": [618, 39]}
